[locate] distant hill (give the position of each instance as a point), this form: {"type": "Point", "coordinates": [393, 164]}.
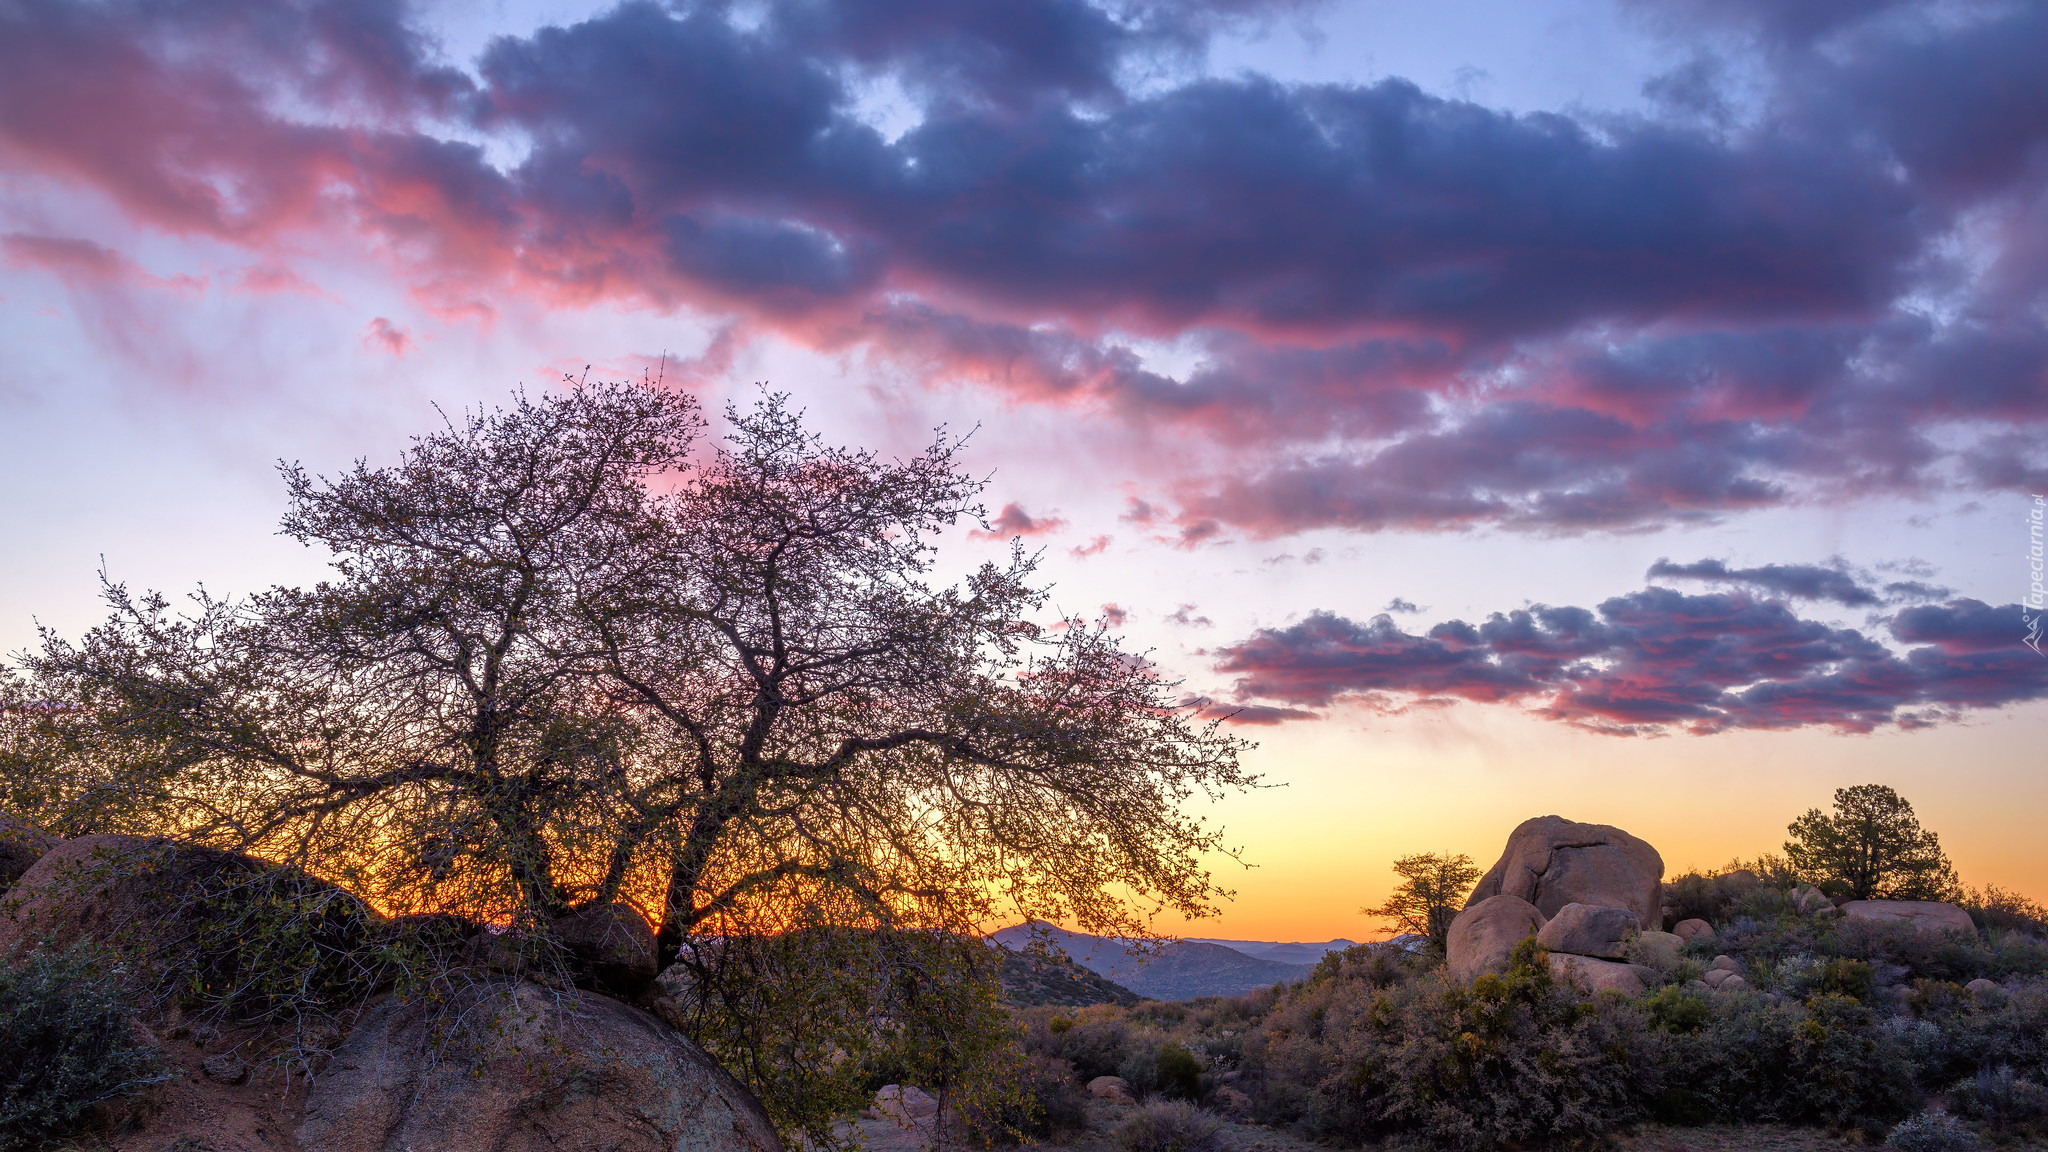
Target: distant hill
{"type": "Point", "coordinates": [1288, 953]}
{"type": "Point", "coordinates": [1182, 970]}
{"type": "Point", "coordinates": [1033, 978]}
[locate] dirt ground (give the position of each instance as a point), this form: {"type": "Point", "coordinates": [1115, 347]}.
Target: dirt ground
{"type": "Point", "coordinates": [197, 1112]}
{"type": "Point", "coordinates": [888, 1136]}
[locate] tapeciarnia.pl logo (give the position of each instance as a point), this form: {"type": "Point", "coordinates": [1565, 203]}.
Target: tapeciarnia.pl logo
{"type": "Point", "coordinates": [2037, 596]}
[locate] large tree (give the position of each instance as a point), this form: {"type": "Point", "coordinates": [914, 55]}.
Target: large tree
{"type": "Point", "coordinates": [569, 653]}
{"type": "Point", "coordinates": [1871, 848]}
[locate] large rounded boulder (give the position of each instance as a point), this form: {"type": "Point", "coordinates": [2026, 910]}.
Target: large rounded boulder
{"type": "Point", "coordinates": [1484, 935]}
{"type": "Point", "coordinates": [252, 934]}
{"type": "Point", "coordinates": [1551, 862]}
{"type": "Point", "coordinates": [516, 1067]}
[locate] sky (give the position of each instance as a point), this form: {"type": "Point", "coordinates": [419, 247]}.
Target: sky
{"type": "Point", "coordinates": [1626, 410]}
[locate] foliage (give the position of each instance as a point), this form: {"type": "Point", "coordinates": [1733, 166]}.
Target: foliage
{"type": "Point", "coordinates": [1170, 1126]}
{"type": "Point", "coordinates": [1431, 893]}
{"type": "Point", "coordinates": [1045, 1104]}
{"type": "Point", "coordinates": [1178, 1072]}
{"type": "Point", "coordinates": [72, 1047]}
{"type": "Point", "coordinates": [814, 1019]}
{"type": "Point", "coordinates": [1995, 909]}
{"type": "Point", "coordinates": [1932, 1132]}
{"type": "Point", "coordinates": [2002, 1100]}
{"type": "Point", "coordinates": [1871, 848]}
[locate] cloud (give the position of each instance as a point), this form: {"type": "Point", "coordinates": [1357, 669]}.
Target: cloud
{"type": "Point", "coordinates": [1408, 311]}
{"type": "Point", "coordinates": [1833, 582]}
{"type": "Point", "coordinates": [1403, 606]}
{"type": "Point", "coordinates": [1013, 521]}
{"type": "Point", "coordinates": [1187, 616]}
{"type": "Point", "coordinates": [383, 334]}
{"type": "Point", "coordinates": [1658, 660]}
{"type": "Point", "coordinates": [1114, 615]}
{"type": "Point", "coordinates": [1094, 547]}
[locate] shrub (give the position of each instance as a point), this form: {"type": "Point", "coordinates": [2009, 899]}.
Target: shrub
{"type": "Point", "coordinates": [1041, 1101]}
{"type": "Point", "coordinates": [1509, 1059]}
{"type": "Point", "coordinates": [1178, 1072]}
{"type": "Point", "coordinates": [72, 1047]}
{"type": "Point", "coordinates": [1995, 909]}
{"type": "Point", "coordinates": [1824, 1062]}
{"type": "Point", "coordinates": [1170, 1126]}
{"type": "Point", "coordinates": [2003, 1101]}
{"type": "Point", "coordinates": [1932, 1132]}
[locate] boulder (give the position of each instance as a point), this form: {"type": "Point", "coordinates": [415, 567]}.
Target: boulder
{"type": "Point", "coordinates": [169, 901]}
{"type": "Point", "coordinates": [611, 947]}
{"type": "Point", "coordinates": [1735, 982]}
{"type": "Point", "coordinates": [1552, 862]}
{"type": "Point", "coordinates": [1724, 963]}
{"type": "Point", "coordinates": [1983, 989]}
{"type": "Point", "coordinates": [1811, 901]}
{"type": "Point", "coordinates": [1595, 976]}
{"type": "Point", "coordinates": [1690, 930]}
{"type": "Point", "coordinates": [1660, 950]}
{"type": "Point", "coordinates": [1715, 977]}
{"type": "Point", "coordinates": [1483, 935]}
{"type": "Point", "coordinates": [21, 845]}
{"type": "Point", "coordinates": [1114, 1089]}
{"type": "Point", "coordinates": [516, 1067]}
{"type": "Point", "coordinates": [1587, 930]}
{"type": "Point", "coordinates": [904, 1104]}
{"type": "Point", "coordinates": [1930, 916]}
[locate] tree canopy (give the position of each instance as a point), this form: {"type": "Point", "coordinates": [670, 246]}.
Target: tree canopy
{"type": "Point", "coordinates": [1431, 893]}
{"type": "Point", "coordinates": [1871, 848]}
{"type": "Point", "coordinates": [570, 653]}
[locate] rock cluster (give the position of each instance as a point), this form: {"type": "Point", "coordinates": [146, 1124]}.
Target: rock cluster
{"type": "Point", "coordinates": [1551, 862]}
{"type": "Point", "coordinates": [1584, 891]}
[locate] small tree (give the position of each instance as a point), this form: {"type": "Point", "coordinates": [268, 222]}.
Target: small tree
{"type": "Point", "coordinates": [1432, 889]}
{"type": "Point", "coordinates": [1872, 848]}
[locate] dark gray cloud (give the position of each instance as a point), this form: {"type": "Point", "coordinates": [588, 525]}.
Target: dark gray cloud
{"type": "Point", "coordinates": [1414, 311]}
{"type": "Point", "coordinates": [1659, 660]}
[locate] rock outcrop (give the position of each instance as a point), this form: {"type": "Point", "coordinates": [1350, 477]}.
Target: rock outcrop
{"type": "Point", "coordinates": [1485, 933]}
{"type": "Point", "coordinates": [525, 1069]}
{"type": "Point", "coordinates": [1930, 916]}
{"type": "Point", "coordinates": [21, 845]}
{"type": "Point", "coordinates": [1551, 862]}
{"type": "Point", "coordinates": [1590, 930]}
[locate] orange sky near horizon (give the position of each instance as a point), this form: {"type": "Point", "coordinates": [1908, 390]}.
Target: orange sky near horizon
{"type": "Point", "coordinates": [1353, 796]}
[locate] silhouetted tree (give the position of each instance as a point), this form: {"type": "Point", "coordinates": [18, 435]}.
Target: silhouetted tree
{"type": "Point", "coordinates": [1872, 848]}
{"type": "Point", "coordinates": [1432, 890]}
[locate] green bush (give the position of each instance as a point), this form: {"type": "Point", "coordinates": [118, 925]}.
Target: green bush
{"type": "Point", "coordinates": [1178, 1072]}
{"type": "Point", "coordinates": [1170, 1126]}
{"type": "Point", "coordinates": [1504, 1060]}
{"type": "Point", "coordinates": [72, 1047]}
